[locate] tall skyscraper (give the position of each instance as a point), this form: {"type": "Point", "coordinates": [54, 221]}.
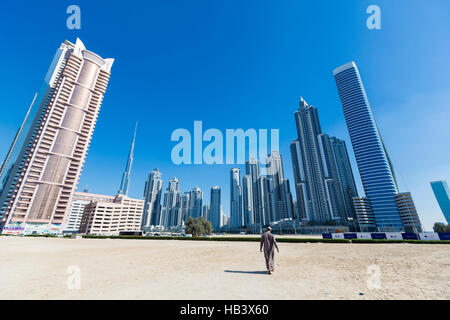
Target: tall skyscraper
{"type": "Point", "coordinates": [253, 170]}
{"type": "Point", "coordinates": [195, 203]}
{"type": "Point", "coordinates": [216, 208]}
{"type": "Point", "coordinates": [43, 167]}
{"type": "Point", "coordinates": [236, 216]}
{"type": "Point", "coordinates": [185, 205]}
{"type": "Point", "coordinates": [206, 212]}
{"type": "Point", "coordinates": [345, 175]}
{"type": "Point", "coordinates": [282, 197]}
{"type": "Point", "coordinates": [171, 213]}
{"type": "Point", "coordinates": [125, 183]}
{"type": "Point", "coordinates": [320, 165]}
{"type": "Point", "coordinates": [374, 165]}
{"type": "Point", "coordinates": [442, 194]}
{"type": "Point", "coordinates": [364, 214]}
{"type": "Point", "coordinates": [247, 198]}
{"type": "Point", "coordinates": [408, 212]}
{"type": "Point", "coordinates": [152, 200]}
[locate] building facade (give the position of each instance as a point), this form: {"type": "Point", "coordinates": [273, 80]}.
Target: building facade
{"type": "Point", "coordinates": [324, 183]}
{"type": "Point", "coordinates": [216, 208]}
{"type": "Point", "coordinates": [281, 195]}
{"type": "Point", "coordinates": [111, 217]}
{"type": "Point", "coordinates": [236, 216]}
{"type": "Point", "coordinates": [171, 213]}
{"type": "Point", "coordinates": [79, 201]}
{"type": "Point", "coordinates": [408, 212]}
{"type": "Point", "coordinates": [247, 200]}
{"type": "Point", "coordinates": [152, 200]}
{"type": "Point", "coordinates": [125, 182]}
{"type": "Point", "coordinates": [442, 194]}
{"type": "Point", "coordinates": [43, 169]}
{"type": "Point", "coordinates": [195, 203]}
{"type": "Point", "coordinates": [364, 214]}
{"type": "Point", "coordinates": [375, 167]}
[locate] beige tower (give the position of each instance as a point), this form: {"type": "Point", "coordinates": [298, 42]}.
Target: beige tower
{"type": "Point", "coordinates": [39, 191]}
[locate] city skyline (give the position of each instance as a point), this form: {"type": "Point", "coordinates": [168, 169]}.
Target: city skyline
{"type": "Point", "coordinates": [319, 180]}
{"type": "Point", "coordinates": [388, 87]}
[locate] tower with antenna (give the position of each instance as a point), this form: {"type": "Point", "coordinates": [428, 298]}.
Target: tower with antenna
{"type": "Point", "coordinates": [125, 183]}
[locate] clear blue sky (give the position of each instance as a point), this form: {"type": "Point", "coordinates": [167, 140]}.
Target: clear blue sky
{"type": "Point", "coordinates": [241, 64]}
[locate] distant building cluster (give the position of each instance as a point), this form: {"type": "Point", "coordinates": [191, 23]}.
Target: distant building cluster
{"type": "Point", "coordinates": [42, 168]}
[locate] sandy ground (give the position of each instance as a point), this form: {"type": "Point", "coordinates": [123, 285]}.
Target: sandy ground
{"type": "Point", "coordinates": [37, 268]}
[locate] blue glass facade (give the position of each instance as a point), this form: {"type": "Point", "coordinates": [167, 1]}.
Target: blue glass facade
{"type": "Point", "coordinates": [442, 193]}
{"type": "Point", "coordinates": [373, 162]}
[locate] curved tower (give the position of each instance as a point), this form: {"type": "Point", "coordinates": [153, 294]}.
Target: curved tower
{"type": "Point", "coordinates": [373, 162]}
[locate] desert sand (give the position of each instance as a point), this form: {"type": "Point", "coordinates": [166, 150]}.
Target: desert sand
{"type": "Point", "coordinates": [40, 268]}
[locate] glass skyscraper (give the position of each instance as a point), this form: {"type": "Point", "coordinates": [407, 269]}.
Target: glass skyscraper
{"type": "Point", "coordinates": [373, 162]}
{"type": "Point", "coordinates": [442, 193]}
{"type": "Point", "coordinates": [323, 176]}
{"type": "Point", "coordinates": [236, 216]}
{"type": "Point", "coordinates": [152, 200]}
{"type": "Point", "coordinates": [171, 213]}
{"type": "Point", "coordinates": [216, 208]}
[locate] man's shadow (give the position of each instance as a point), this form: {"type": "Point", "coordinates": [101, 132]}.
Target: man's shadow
{"type": "Point", "coordinates": [248, 272]}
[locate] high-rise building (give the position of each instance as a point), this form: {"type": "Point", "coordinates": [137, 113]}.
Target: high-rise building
{"type": "Point", "coordinates": [78, 203]}
{"type": "Point", "coordinates": [195, 203]}
{"type": "Point", "coordinates": [225, 219]}
{"type": "Point", "coordinates": [152, 200]}
{"type": "Point", "coordinates": [216, 208]}
{"type": "Point", "coordinates": [111, 217]}
{"type": "Point", "coordinates": [171, 213]}
{"type": "Point", "coordinates": [261, 195]}
{"type": "Point", "coordinates": [206, 212]}
{"type": "Point", "coordinates": [408, 212]}
{"type": "Point", "coordinates": [44, 164]}
{"type": "Point", "coordinates": [374, 165]}
{"type": "Point", "coordinates": [184, 206]}
{"type": "Point", "coordinates": [282, 197]}
{"type": "Point", "coordinates": [323, 183]}
{"type": "Point", "coordinates": [247, 199]}
{"type": "Point", "coordinates": [345, 175]}
{"type": "Point", "coordinates": [125, 182]}
{"type": "Point", "coordinates": [364, 214]}
{"type": "Point", "coordinates": [253, 169]}
{"type": "Point", "coordinates": [237, 218]}
{"type": "Point", "coordinates": [442, 194]}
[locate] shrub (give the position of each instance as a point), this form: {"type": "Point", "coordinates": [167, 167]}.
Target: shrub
{"type": "Point", "coordinates": [198, 226]}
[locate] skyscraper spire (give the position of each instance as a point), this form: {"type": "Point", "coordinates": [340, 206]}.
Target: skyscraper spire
{"type": "Point", "coordinates": [125, 183]}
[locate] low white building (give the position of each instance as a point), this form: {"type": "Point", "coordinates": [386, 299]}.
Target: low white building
{"type": "Point", "coordinates": [79, 201]}
{"type": "Point", "coordinates": [111, 217]}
